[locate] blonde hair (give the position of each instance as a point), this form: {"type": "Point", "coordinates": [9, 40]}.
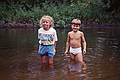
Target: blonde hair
{"type": "Point", "coordinates": [76, 20]}
{"type": "Point", "coordinates": [46, 17]}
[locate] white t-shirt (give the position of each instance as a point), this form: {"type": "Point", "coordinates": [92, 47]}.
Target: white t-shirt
{"type": "Point", "coordinates": [47, 37]}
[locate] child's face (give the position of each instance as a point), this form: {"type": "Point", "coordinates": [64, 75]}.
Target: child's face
{"type": "Point", "coordinates": [75, 26]}
{"type": "Point", "coordinates": [46, 24]}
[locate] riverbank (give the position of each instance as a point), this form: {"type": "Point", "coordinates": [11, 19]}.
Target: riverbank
{"type": "Point", "coordinates": [4, 24]}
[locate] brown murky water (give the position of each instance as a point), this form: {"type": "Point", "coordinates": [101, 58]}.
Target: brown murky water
{"type": "Point", "coordinates": [19, 59]}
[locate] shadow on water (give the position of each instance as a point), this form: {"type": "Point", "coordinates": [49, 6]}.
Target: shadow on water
{"type": "Point", "coordinates": [19, 59]}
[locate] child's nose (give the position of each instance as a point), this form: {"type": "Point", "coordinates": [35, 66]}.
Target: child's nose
{"type": "Point", "coordinates": [45, 23]}
{"type": "Point", "coordinates": [75, 26]}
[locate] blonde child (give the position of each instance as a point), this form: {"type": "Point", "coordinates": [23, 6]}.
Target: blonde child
{"type": "Point", "coordinates": [76, 43]}
{"type": "Point", "coordinates": [47, 39]}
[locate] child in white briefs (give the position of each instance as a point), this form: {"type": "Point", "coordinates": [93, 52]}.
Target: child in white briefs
{"type": "Point", "coordinates": [76, 43]}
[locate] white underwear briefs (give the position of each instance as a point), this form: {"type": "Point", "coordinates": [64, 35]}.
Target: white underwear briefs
{"type": "Point", "coordinates": [75, 50]}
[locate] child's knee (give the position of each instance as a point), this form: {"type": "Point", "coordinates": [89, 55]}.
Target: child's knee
{"type": "Point", "coordinates": [50, 61]}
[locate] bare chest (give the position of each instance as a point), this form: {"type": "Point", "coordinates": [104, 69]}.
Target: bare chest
{"type": "Point", "coordinates": [75, 37]}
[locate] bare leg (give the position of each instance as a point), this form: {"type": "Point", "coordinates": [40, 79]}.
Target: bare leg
{"type": "Point", "coordinates": [50, 61]}
{"type": "Point", "coordinates": [43, 59]}
{"type": "Point", "coordinates": [72, 58]}
{"type": "Point", "coordinates": [79, 58]}
{"type": "Point", "coordinates": [42, 62]}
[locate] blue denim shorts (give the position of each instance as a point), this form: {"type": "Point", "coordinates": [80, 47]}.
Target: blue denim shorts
{"type": "Point", "coordinates": [46, 50]}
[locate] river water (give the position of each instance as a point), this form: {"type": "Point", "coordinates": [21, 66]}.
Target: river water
{"type": "Point", "coordinates": [19, 59]}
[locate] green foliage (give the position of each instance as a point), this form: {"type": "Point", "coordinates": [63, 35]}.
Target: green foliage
{"type": "Point", "coordinates": [93, 10]}
{"type": "Point", "coordinates": [61, 23]}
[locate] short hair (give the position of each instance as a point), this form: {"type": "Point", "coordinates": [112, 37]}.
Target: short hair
{"type": "Point", "coordinates": [76, 19]}
{"type": "Point", "coordinates": [46, 17]}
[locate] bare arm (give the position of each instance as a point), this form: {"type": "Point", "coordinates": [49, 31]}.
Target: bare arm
{"type": "Point", "coordinates": [84, 43]}
{"type": "Point", "coordinates": [67, 44]}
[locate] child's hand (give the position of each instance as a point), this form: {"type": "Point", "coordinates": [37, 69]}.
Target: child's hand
{"type": "Point", "coordinates": [84, 51]}
{"type": "Point", "coordinates": [66, 53]}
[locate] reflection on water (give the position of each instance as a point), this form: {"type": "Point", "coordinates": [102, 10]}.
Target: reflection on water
{"type": "Point", "coordinates": [19, 59]}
